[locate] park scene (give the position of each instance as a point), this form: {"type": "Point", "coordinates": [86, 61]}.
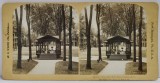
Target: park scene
{"type": "Point", "coordinates": [45, 39]}
{"type": "Point", "coordinates": [104, 39]}
{"type": "Point", "coordinates": [113, 40]}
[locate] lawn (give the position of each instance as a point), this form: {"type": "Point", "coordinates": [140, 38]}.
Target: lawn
{"type": "Point", "coordinates": [137, 51]}
{"type": "Point", "coordinates": [74, 51]}
{"type": "Point", "coordinates": [62, 68]}
{"type": "Point", "coordinates": [26, 66]}
{"type": "Point", "coordinates": [25, 52]}
{"type": "Point", "coordinates": [96, 67]}
{"type": "Point", "coordinates": [132, 69]}
{"type": "Point", "coordinates": [94, 52]}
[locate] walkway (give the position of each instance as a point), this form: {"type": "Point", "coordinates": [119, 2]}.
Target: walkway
{"type": "Point", "coordinates": [44, 67]}
{"type": "Point", "coordinates": [116, 67]}
{"type": "Point", "coordinates": [47, 66]}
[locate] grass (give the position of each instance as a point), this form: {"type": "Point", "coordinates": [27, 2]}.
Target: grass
{"type": "Point", "coordinates": [25, 52]}
{"type": "Point", "coordinates": [137, 52]}
{"type": "Point", "coordinates": [96, 67]}
{"type": "Point", "coordinates": [62, 68]}
{"type": "Point", "coordinates": [26, 66]}
{"type": "Point", "coordinates": [94, 52]}
{"type": "Point", "coordinates": [132, 68]}
{"type": "Point", "coordinates": [74, 51]}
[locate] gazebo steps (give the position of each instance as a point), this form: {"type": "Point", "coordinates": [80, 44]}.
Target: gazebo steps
{"type": "Point", "coordinates": [47, 57]}
{"type": "Point", "coordinates": [118, 57]}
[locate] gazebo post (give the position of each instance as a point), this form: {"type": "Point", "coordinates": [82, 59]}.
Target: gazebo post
{"type": "Point", "coordinates": [116, 47]}
{"type": "Point", "coordinates": [128, 46]}
{"type": "Point", "coordinates": [56, 50]}
{"type": "Point", "coordinates": [113, 46]}
{"type": "Point", "coordinates": [37, 52]}
{"type": "Point", "coordinates": [40, 47]}
{"type": "Point", "coordinates": [36, 47]}
{"type": "Point", "coordinates": [130, 50]}
{"type": "Point", "coordinates": [45, 46]}
{"type": "Point", "coordinates": [106, 47]}
{"type": "Point", "coordinates": [110, 47]}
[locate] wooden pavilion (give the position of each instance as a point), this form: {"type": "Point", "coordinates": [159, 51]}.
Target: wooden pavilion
{"type": "Point", "coordinates": [42, 46]}
{"type": "Point", "coordinates": [118, 48]}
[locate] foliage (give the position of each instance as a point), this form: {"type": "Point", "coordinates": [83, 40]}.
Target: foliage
{"type": "Point", "coordinates": [96, 67]}
{"type": "Point", "coordinates": [116, 18]}
{"type": "Point", "coordinates": [47, 18]}
{"type": "Point", "coordinates": [62, 68]}
{"type": "Point", "coordinates": [26, 67]}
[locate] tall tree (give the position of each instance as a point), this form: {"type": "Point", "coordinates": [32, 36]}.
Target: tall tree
{"type": "Point", "coordinates": [56, 16]}
{"type": "Point", "coordinates": [70, 40]}
{"type": "Point", "coordinates": [88, 30]}
{"type": "Point", "coordinates": [43, 19]}
{"type": "Point", "coordinates": [98, 26]}
{"type": "Point", "coordinates": [19, 26]}
{"type": "Point", "coordinates": [82, 33]}
{"type": "Point", "coordinates": [140, 39]}
{"type": "Point", "coordinates": [57, 19]}
{"type": "Point", "coordinates": [64, 33]}
{"type": "Point", "coordinates": [29, 34]}
{"type": "Point", "coordinates": [134, 34]}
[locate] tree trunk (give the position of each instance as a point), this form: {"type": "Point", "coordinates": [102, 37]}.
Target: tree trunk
{"type": "Point", "coordinates": [70, 40]}
{"type": "Point", "coordinates": [64, 34]}
{"type": "Point", "coordinates": [134, 34]}
{"type": "Point", "coordinates": [60, 24]}
{"type": "Point", "coordinates": [88, 29]}
{"type": "Point", "coordinates": [130, 28]}
{"type": "Point", "coordinates": [140, 40]}
{"type": "Point", "coordinates": [98, 26]}
{"type": "Point", "coordinates": [19, 25]}
{"type": "Point", "coordinates": [29, 34]}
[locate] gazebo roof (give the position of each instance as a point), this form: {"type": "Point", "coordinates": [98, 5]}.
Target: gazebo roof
{"type": "Point", "coordinates": [118, 39]}
{"type": "Point", "coordinates": [48, 38]}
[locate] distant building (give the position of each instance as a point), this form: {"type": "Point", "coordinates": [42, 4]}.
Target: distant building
{"type": "Point", "coordinates": [144, 38]}
{"type": "Point", "coordinates": [74, 40]}
{"type": "Point", "coordinates": [144, 41]}
{"type": "Point", "coordinates": [83, 41]}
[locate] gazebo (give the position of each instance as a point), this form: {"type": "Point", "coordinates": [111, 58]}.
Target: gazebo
{"type": "Point", "coordinates": [118, 48]}
{"type": "Point", "coordinates": [42, 46]}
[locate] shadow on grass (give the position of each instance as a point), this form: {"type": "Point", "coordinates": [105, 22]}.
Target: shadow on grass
{"type": "Point", "coordinates": [26, 66]}
{"type": "Point", "coordinates": [62, 68]}
{"type": "Point", "coordinates": [132, 68]}
{"type": "Point", "coordinates": [96, 67]}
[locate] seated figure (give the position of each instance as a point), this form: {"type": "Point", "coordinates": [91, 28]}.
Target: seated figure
{"type": "Point", "coordinates": [122, 52]}
{"type": "Point", "coordinates": [52, 51]}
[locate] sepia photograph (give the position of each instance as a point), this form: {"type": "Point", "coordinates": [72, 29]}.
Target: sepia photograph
{"type": "Point", "coordinates": [80, 41]}
{"type": "Point", "coordinates": [45, 39]}
{"type": "Point", "coordinates": [113, 40]}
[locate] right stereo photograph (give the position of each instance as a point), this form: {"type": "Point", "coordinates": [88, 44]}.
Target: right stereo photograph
{"type": "Point", "coordinates": [113, 39]}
